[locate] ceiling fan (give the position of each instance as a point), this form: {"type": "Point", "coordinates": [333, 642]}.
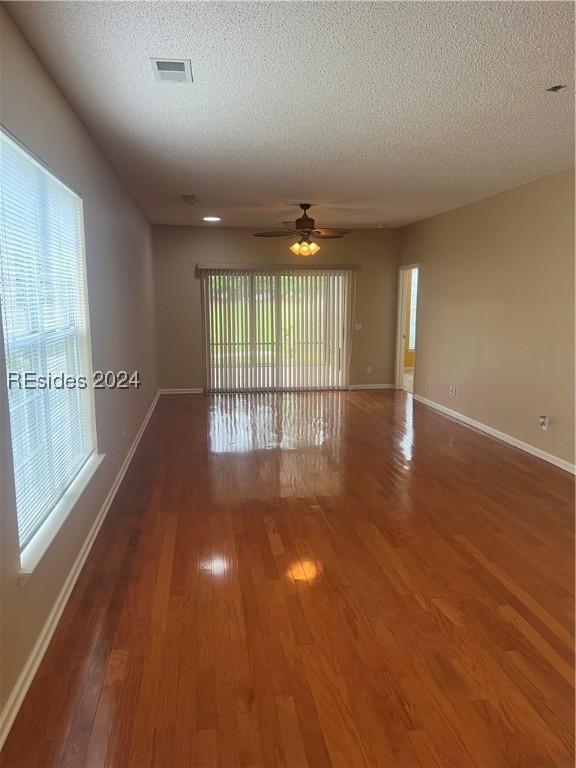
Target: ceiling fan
{"type": "Point", "coordinates": [304, 227]}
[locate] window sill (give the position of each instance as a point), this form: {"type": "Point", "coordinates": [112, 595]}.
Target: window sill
{"type": "Point", "coordinates": [33, 553]}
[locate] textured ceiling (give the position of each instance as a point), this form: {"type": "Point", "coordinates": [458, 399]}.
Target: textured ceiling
{"type": "Point", "coordinates": [381, 113]}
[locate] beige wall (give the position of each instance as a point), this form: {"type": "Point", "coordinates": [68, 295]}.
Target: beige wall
{"type": "Point", "coordinates": [496, 310]}
{"type": "Point", "coordinates": [120, 275]}
{"type": "Point", "coordinates": [177, 250]}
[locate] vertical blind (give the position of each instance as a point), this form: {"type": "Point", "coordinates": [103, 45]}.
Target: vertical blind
{"type": "Point", "coordinates": [276, 329]}
{"type": "Point", "coordinates": [45, 324]}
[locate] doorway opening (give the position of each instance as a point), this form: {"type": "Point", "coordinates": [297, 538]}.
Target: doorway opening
{"type": "Point", "coordinates": [406, 339]}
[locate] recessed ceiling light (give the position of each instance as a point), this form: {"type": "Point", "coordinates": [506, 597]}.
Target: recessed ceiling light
{"type": "Point", "coordinates": [555, 88]}
{"type": "Point", "coordinates": [211, 218]}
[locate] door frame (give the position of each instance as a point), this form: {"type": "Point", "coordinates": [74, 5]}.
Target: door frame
{"type": "Point", "coordinates": [402, 308]}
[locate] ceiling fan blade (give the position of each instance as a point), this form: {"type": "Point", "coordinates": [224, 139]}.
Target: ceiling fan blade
{"type": "Point", "coordinates": [276, 233]}
{"type": "Point", "coordinates": [329, 232]}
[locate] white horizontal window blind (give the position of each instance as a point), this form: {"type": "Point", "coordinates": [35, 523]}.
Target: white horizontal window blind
{"type": "Point", "coordinates": [45, 324]}
{"type": "Point", "coordinates": [277, 329]}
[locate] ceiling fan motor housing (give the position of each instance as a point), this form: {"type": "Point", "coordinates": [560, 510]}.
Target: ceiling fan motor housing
{"type": "Point", "coordinates": [304, 222]}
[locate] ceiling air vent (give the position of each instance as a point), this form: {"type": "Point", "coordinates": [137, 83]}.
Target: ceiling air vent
{"type": "Point", "coordinates": [172, 70]}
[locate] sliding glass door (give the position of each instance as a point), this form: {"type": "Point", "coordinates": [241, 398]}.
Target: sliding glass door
{"type": "Point", "coordinates": [276, 330]}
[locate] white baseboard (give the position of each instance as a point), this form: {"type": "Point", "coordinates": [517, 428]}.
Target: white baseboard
{"type": "Point", "coordinates": [200, 391]}
{"type": "Point", "coordinates": [371, 386]}
{"type": "Point", "coordinates": [539, 453]}
{"type": "Point", "coordinates": [24, 681]}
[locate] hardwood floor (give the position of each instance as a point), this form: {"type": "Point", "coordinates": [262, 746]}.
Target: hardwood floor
{"type": "Point", "coordinates": [312, 580]}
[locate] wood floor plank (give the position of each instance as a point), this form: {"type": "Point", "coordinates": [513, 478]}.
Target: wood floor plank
{"type": "Point", "coordinates": [313, 580]}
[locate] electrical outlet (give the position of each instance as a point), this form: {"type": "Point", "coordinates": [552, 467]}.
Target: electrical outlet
{"type": "Point", "coordinates": [543, 423]}
{"type": "Point", "coordinates": [369, 369]}
{"type": "Point", "coordinates": [452, 390]}
{"type": "Point", "coordinates": [357, 326]}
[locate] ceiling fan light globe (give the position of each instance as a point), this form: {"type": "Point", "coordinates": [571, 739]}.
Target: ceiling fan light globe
{"type": "Point", "coordinates": [314, 248]}
{"type": "Point", "coordinates": [295, 248]}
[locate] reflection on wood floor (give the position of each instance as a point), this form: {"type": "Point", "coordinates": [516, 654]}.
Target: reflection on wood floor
{"type": "Point", "coordinates": [344, 579]}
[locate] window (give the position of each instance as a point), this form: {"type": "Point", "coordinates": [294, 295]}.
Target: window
{"type": "Point", "coordinates": [277, 329]}
{"type": "Point", "coordinates": [413, 302]}
{"type": "Point", "coordinates": [46, 336]}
